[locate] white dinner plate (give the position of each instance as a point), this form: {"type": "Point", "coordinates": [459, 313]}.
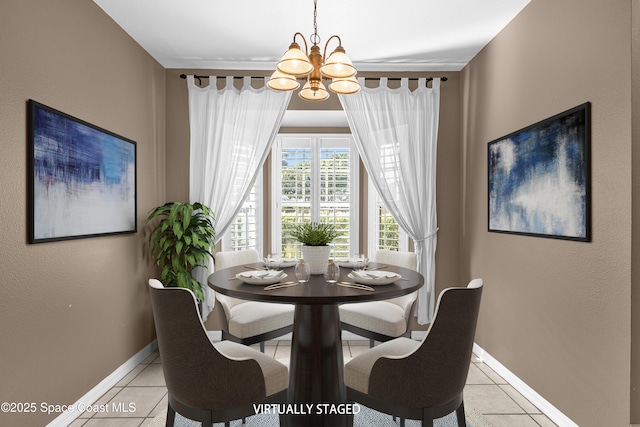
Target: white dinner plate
{"type": "Point", "coordinates": [287, 262]}
{"type": "Point", "coordinates": [348, 262]}
{"type": "Point", "coordinates": [261, 277]}
{"type": "Point", "coordinates": [282, 262]}
{"type": "Point", "coordinates": [374, 277]}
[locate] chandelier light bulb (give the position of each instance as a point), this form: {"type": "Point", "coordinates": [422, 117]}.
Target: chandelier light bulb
{"type": "Point", "coordinates": [309, 93]}
{"type": "Point", "coordinates": [282, 81]}
{"type": "Point", "coordinates": [345, 86]}
{"type": "Point", "coordinates": [295, 62]}
{"type": "Point", "coordinates": [338, 65]}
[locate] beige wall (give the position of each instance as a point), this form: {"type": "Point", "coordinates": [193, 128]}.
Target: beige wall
{"type": "Point", "coordinates": [635, 248]}
{"type": "Point", "coordinates": [448, 174]}
{"type": "Point", "coordinates": [72, 312]}
{"type": "Point", "coordinates": [557, 313]}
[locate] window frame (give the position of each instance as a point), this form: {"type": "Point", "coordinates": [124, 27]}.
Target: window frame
{"type": "Point", "coordinates": [373, 226]}
{"type": "Point", "coordinates": [225, 241]}
{"type": "Point", "coordinates": [315, 142]}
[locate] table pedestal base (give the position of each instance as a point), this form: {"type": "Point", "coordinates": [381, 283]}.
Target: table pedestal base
{"type": "Point", "coordinates": [316, 385]}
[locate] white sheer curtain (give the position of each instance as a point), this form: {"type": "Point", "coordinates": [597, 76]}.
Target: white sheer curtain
{"type": "Point", "coordinates": [231, 134]}
{"type": "Point", "coordinates": [396, 132]}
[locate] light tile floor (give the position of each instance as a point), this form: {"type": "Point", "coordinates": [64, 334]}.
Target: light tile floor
{"type": "Point", "coordinates": [143, 389]}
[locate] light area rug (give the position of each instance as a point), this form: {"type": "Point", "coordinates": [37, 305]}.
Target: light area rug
{"type": "Point", "coordinates": [366, 418]}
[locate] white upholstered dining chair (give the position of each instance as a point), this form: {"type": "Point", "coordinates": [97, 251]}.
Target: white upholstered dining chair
{"type": "Point", "coordinates": [387, 319]}
{"type": "Point", "coordinates": [250, 322]}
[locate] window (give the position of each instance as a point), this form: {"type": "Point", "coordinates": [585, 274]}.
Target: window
{"type": "Point", "coordinates": [245, 232]}
{"type": "Point", "coordinates": [314, 179]}
{"type": "Point", "coordinates": [384, 231]}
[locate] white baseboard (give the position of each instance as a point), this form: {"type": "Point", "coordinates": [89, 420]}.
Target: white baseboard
{"type": "Point", "coordinates": [104, 386]}
{"type": "Point", "coordinates": [541, 403]}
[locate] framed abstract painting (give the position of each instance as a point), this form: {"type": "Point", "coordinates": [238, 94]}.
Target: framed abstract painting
{"type": "Point", "coordinates": [82, 179]}
{"type": "Point", "coordinates": [539, 178]}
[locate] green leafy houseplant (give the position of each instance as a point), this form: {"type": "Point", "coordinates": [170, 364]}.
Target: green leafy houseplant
{"type": "Point", "coordinates": [315, 233]}
{"type": "Point", "coordinates": [181, 241]}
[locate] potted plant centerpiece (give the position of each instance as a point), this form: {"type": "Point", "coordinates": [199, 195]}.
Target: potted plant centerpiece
{"type": "Point", "coordinates": [315, 238]}
{"type": "Point", "coordinates": [181, 241]}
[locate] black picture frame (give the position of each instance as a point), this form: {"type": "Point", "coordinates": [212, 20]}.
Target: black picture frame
{"type": "Point", "coordinates": [82, 178]}
{"type": "Point", "coordinates": [539, 178]}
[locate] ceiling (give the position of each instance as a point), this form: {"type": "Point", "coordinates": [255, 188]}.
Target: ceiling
{"type": "Point", "coordinates": [378, 35]}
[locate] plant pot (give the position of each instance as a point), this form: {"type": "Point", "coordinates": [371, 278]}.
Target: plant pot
{"type": "Point", "coordinates": [317, 257]}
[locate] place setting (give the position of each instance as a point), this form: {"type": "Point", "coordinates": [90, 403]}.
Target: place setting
{"type": "Point", "coordinates": [261, 277]}
{"type": "Point", "coordinates": [270, 279]}
{"type": "Point", "coordinates": [357, 262]}
{"type": "Point", "coordinates": [268, 275]}
{"type": "Point", "coordinates": [274, 262]}
{"type": "Point", "coordinates": [365, 279]}
{"type": "Point", "coordinates": [332, 277]}
{"type": "Point", "coordinates": [302, 272]}
{"type": "Point", "coordinates": [374, 277]}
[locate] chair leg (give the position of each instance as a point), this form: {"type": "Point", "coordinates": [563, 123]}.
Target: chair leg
{"type": "Point", "coordinates": [207, 420]}
{"type": "Point", "coordinates": [350, 419]}
{"type": "Point", "coordinates": [427, 417]}
{"type": "Point", "coordinates": [461, 415]}
{"type": "Point", "coordinates": [371, 342]}
{"type": "Point", "coordinates": [262, 347]}
{"type": "Point", "coordinates": [402, 422]}
{"type": "Point", "coordinates": [171, 416]}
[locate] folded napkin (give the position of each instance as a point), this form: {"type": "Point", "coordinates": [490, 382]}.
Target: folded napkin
{"type": "Point", "coordinates": [261, 274]}
{"type": "Point", "coordinates": [374, 274]}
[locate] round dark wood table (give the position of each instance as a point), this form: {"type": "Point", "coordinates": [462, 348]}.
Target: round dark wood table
{"type": "Point", "coordinates": [316, 393]}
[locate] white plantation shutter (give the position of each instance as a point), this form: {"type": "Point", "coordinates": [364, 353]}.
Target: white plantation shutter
{"type": "Point", "coordinates": [315, 179]}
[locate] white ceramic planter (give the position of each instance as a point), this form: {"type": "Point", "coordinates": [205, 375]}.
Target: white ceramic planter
{"type": "Point", "coordinates": [317, 257]}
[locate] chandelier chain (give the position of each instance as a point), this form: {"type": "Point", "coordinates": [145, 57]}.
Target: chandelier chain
{"type": "Point", "coordinates": [315, 38]}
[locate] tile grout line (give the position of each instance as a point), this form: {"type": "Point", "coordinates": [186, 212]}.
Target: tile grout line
{"type": "Point", "coordinates": [500, 386]}
{"type": "Point", "coordinates": [273, 351]}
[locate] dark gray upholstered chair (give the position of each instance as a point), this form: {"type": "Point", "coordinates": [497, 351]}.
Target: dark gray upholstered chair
{"type": "Point", "coordinates": [421, 379]}
{"type": "Point", "coordinates": [250, 322]}
{"type": "Point", "coordinates": [387, 319]}
{"type": "Point", "coordinates": [209, 382]}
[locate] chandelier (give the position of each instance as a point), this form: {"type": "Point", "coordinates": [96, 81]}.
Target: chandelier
{"type": "Point", "coordinates": [314, 66]}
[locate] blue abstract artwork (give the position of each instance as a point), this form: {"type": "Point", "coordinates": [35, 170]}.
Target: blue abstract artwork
{"type": "Point", "coordinates": [83, 181]}
{"type": "Point", "coordinates": [539, 178]}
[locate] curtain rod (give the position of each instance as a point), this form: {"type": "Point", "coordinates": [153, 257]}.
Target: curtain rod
{"type": "Point", "coordinates": [444, 79]}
